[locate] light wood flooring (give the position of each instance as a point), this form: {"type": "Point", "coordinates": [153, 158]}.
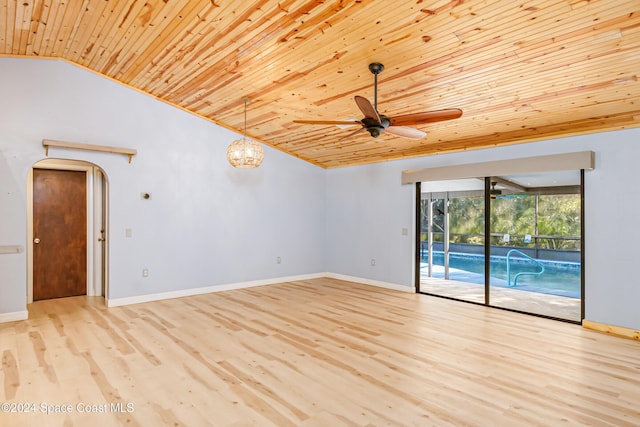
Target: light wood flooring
{"type": "Point", "coordinates": [313, 353]}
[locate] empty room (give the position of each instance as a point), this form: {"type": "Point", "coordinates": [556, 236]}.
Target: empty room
{"type": "Point", "coordinates": [319, 213]}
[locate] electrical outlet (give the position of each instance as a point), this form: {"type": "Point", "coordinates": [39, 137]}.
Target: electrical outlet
{"type": "Point", "coordinates": [145, 272]}
{"type": "Point", "coordinates": [128, 232]}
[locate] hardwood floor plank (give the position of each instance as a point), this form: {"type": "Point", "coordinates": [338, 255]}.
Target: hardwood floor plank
{"type": "Point", "coordinates": [312, 353]}
{"type": "Point", "coordinates": [11, 374]}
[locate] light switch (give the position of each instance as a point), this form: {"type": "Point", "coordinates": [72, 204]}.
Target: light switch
{"type": "Point", "coordinates": [128, 232]}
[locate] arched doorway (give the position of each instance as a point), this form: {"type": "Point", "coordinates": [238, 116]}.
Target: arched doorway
{"type": "Point", "coordinates": [57, 265]}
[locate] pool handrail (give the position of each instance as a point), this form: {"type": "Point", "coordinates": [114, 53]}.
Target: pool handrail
{"type": "Point", "coordinates": [522, 273]}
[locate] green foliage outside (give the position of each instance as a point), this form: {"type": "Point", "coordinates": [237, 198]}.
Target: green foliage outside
{"type": "Point", "coordinates": [558, 216]}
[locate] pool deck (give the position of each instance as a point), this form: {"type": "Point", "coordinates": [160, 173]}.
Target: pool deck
{"type": "Point", "coordinates": [512, 298]}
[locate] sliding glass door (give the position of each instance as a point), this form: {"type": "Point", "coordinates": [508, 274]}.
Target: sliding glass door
{"type": "Point", "coordinates": [452, 242]}
{"type": "Point", "coordinates": [527, 258]}
{"type": "Point", "coordinates": [535, 252]}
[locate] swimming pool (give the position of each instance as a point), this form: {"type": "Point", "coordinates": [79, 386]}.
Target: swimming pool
{"type": "Point", "coordinates": [559, 278]}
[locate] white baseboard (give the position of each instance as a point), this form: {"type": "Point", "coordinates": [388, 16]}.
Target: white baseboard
{"type": "Point", "coordinates": [378, 283]}
{"type": "Point", "coordinates": [14, 316]}
{"type": "Point", "coordinates": [115, 302]}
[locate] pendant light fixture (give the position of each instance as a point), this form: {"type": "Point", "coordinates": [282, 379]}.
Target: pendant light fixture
{"type": "Point", "coordinates": [244, 153]}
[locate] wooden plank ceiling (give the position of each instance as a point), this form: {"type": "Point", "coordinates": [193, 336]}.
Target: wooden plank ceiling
{"type": "Point", "coordinates": [520, 71]}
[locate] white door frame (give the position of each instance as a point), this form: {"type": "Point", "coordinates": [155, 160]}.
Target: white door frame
{"type": "Point", "coordinates": [96, 215]}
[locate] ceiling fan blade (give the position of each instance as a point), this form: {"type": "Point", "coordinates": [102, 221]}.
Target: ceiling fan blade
{"type": "Point", "coordinates": [367, 109]}
{"type": "Point", "coordinates": [406, 132]}
{"type": "Point", "coordinates": [328, 122]}
{"type": "Point", "coordinates": [428, 117]}
{"type": "Point", "coordinates": [351, 134]}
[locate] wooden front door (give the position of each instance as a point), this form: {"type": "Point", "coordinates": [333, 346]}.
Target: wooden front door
{"type": "Point", "coordinates": [59, 233]}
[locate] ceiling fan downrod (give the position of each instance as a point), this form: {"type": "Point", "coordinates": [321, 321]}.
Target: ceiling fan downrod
{"type": "Point", "coordinates": [375, 68]}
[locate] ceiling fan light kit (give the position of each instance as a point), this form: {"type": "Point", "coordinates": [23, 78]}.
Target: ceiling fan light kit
{"type": "Point", "coordinates": [376, 123]}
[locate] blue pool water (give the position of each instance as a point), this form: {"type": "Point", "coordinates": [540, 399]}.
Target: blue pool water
{"type": "Point", "coordinates": [559, 278]}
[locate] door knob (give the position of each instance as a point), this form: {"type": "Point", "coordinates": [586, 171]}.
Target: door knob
{"type": "Point", "coordinates": [100, 239]}
{"type": "Point", "coordinates": [36, 240]}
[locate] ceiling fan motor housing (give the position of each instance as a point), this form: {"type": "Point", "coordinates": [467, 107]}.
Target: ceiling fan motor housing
{"type": "Point", "coordinates": [374, 127]}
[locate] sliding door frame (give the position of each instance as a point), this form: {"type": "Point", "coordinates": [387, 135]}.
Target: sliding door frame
{"type": "Point", "coordinates": [487, 240]}
{"type": "Point", "coordinates": [418, 235]}
{"type": "Point", "coordinates": [582, 246]}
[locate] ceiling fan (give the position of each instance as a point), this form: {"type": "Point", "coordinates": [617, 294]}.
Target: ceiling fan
{"type": "Point", "coordinates": [375, 123]}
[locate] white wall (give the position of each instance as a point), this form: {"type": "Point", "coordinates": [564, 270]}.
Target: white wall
{"type": "Point", "coordinates": [367, 207]}
{"type": "Point", "coordinates": [207, 223]}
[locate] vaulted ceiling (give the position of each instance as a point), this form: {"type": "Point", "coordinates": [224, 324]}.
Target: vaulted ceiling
{"type": "Point", "coordinates": [519, 70]}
